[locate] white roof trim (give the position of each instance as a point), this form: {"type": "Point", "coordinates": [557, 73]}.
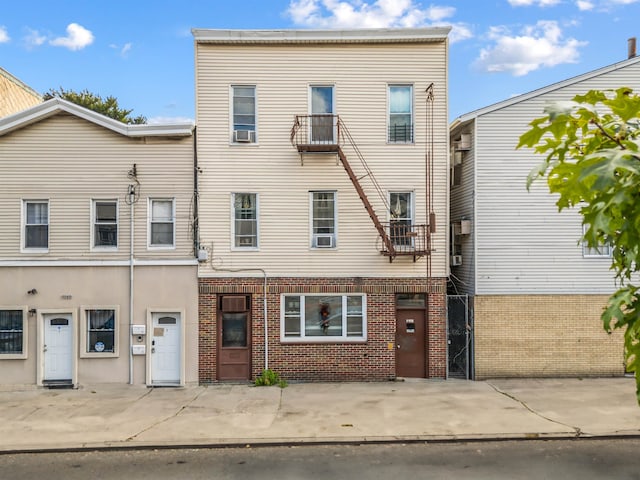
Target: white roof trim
{"type": "Point", "coordinates": [57, 105]}
{"type": "Point", "coordinates": [379, 35]}
{"type": "Point", "coordinates": [549, 88]}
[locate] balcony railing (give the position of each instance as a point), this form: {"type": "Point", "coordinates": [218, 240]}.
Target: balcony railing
{"type": "Point", "coordinates": [407, 239]}
{"type": "Point", "coordinates": [316, 133]}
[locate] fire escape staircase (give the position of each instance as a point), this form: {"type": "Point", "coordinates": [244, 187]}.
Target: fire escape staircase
{"type": "Point", "coordinates": [326, 133]}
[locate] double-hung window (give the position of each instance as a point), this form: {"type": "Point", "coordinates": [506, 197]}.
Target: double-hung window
{"type": "Point", "coordinates": [323, 219]}
{"type": "Point", "coordinates": [244, 113]}
{"type": "Point", "coordinates": [36, 224]}
{"type": "Point", "coordinates": [105, 224]}
{"type": "Point", "coordinates": [400, 120]}
{"type": "Point", "coordinates": [323, 318]}
{"type": "Point", "coordinates": [13, 333]}
{"type": "Point", "coordinates": [162, 223]}
{"type": "Point", "coordinates": [245, 220]}
{"type": "Point", "coordinates": [402, 219]}
{"type": "Point", "coordinates": [599, 251]}
{"type": "Point", "coordinates": [99, 331]}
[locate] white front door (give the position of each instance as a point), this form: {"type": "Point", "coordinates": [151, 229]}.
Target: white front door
{"type": "Point", "coordinates": [166, 349]}
{"type": "Point", "coordinates": [58, 347]}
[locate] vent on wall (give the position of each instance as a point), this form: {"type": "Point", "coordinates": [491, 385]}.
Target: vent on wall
{"type": "Point", "coordinates": [234, 303]}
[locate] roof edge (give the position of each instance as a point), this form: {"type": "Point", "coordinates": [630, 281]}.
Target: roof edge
{"type": "Point", "coordinates": [56, 105]}
{"type": "Point", "coordinates": [378, 35]}
{"type": "Point", "coordinates": [19, 83]}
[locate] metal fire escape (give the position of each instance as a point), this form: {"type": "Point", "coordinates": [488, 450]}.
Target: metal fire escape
{"type": "Point", "coordinates": [326, 134]}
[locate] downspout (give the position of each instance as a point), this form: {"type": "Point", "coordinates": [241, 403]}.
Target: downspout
{"type": "Point", "coordinates": [131, 225]}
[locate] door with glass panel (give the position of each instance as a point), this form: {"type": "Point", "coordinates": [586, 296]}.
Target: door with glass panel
{"type": "Point", "coordinates": [57, 348]}
{"type": "Point", "coordinates": [166, 349]}
{"type": "Point", "coordinates": [234, 337]}
{"type": "Point", "coordinates": [323, 121]}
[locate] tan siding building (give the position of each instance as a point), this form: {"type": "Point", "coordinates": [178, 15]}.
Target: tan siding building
{"type": "Point", "coordinates": [537, 295]}
{"type": "Point", "coordinates": [282, 116]}
{"type": "Point", "coordinates": [15, 95]}
{"type": "Point", "coordinates": [98, 279]}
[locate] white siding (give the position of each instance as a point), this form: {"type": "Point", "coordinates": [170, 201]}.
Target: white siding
{"type": "Point", "coordinates": [273, 168]}
{"type": "Point", "coordinates": [524, 244]}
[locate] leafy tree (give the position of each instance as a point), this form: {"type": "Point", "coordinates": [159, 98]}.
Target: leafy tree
{"type": "Point", "coordinates": [106, 106]}
{"type": "Point", "coordinates": [592, 161]}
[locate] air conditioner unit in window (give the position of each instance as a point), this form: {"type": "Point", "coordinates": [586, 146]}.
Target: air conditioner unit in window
{"type": "Point", "coordinates": [244, 136]}
{"type": "Point", "coordinates": [323, 241]}
{"type": "Point", "coordinates": [456, 260]}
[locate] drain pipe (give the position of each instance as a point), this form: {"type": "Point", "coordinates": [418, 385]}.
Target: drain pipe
{"type": "Point", "coordinates": [131, 286]}
{"type": "Point", "coordinates": [264, 302]}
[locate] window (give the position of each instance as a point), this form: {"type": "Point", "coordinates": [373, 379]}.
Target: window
{"type": "Point", "coordinates": [245, 220]}
{"type": "Point", "coordinates": [401, 222]}
{"type": "Point", "coordinates": [13, 335]}
{"type": "Point", "coordinates": [323, 219]}
{"type": "Point", "coordinates": [161, 223]}
{"type": "Point", "coordinates": [323, 120]}
{"type": "Point", "coordinates": [244, 114]}
{"type": "Point", "coordinates": [400, 114]}
{"type": "Point", "coordinates": [36, 224]}
{"type": "Point", "coordinates": [105, 223]}
{"type": "Point", "coordinates": [599, 251]}
{"type": "Point", "coordinates": [99, 331]}
{"type": "Point", "coordinates": [323, 318]}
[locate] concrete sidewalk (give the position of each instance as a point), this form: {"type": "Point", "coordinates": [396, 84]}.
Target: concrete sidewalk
{"type": "Point", "coordinates": [104, 416]}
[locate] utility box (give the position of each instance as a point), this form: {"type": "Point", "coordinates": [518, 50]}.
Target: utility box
{"type": "Point", "coordinates": [138, 349]}
{"type": "Point", "coordinates": [138, 329]}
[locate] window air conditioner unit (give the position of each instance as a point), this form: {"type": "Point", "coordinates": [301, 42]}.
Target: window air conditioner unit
{"type": "Point", "coordinates": [244, 136]}
{"type": "Point", "coordinates": [464, 143]}
{"type": "Point", "coordinates": [323, 241]}
{"type": "Point", "coordinates": [456, 260]}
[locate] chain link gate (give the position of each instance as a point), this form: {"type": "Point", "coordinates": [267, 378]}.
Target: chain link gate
{"type": "Point", "coordinates": [459, 337]}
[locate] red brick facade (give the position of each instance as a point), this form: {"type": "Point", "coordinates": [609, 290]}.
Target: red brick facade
{"type": "Point", "coordinates": [369, 361]}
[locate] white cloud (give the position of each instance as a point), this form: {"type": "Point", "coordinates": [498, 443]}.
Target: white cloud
{"type": "Point", "coordinates": [124, 50]}
{"type": "Point", "coordinates": [351, 14]}
{"type": "Point", "coordinates": [169, 120]}
{"type": "Point", "coordinates": [528, 3]}
{"type": "Point", "coordinates": [4, 35]}
{"type": "Point", "coordinates": [33, 39]}
{"type": "Point", "coordinates": [77, 38]}
{"type": "Point", "coordinates": [584, 5]}
{"type": "Point", "coordinates": [537, 46]}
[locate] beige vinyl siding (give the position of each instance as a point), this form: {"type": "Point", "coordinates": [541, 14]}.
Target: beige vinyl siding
{"type": "Point", "coordinates": [524, 244]}
{"type": "Point", "coordinates": [273, 168]}
{"type": "Point", "coordinates": [15, 96]}
{"type": "Point", "coordinates": [70, 161]}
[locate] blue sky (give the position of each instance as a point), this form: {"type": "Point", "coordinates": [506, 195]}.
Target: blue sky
{"type": "Point", "coordinates": [142, 52]}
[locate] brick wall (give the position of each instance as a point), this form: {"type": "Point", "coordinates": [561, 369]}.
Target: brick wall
{"type": "Point", "coordinates": [369, 361]}
{"type": "Point", "coordinates": [544, 336]}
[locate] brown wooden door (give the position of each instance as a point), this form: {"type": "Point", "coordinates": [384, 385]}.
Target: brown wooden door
{"type": "Point", "coordinates": [410, 343]}
{"type": "Point", "coordinates": [234, 338]}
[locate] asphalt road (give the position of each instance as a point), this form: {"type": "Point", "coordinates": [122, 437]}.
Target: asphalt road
{"type": "Point", "coordinates": [555, 459]}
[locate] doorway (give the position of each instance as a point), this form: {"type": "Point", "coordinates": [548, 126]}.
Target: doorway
{"type": "Point", "coordinates": [166, 349]}
{"type": "Point", "coordinates": [411, 353]}
{"type": "Point", "coordinates": [57, 348]}
{"type": "Point", "coordinates": [234, 337]}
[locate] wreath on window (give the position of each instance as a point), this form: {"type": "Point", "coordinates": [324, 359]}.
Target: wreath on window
{"type": "Point", "coordinates": [325, 311]}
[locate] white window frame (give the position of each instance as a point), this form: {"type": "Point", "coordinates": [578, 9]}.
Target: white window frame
{"type": "Point", "coordinates": [333, 111]}
{"type": "Point", "coordinates": [233, 222]}
{"type": "Point", "coordinates": [312, 234]}
{"type": "Point", "coordinates": [84, 332]}
{"type": "Point", "coordinates": [232, 140]}
{"type": "Point", "coordinates": [93, 224]}
{"type": "Point", "coordinates": [589, 252]}
{"type": "Point", "coordinates": [25, 333]}
{"type": "Point", "coordinates": [150, 222]}
{"type": "Point", "coordinates": [412, 207]}
{"type": "Point", "coordinates": [412, 109]}
{"type": "Point", "coordinates": [303, 338]}
{"type": "Point", "coordinates": [23, 226]}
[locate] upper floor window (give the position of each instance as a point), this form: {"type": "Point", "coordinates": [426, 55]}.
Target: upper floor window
{"type": "Point", "coordinates": [599, 251]}
{"type": "Point", "coordinates": [13, 333]}
{"type": "Point", "coordinates": [323, 219]}
{"type": "Point", "coordinates": [402, 219]}
{"type": "Point", "coordinates": [245, 220]}
{"type": "Point", "coordinates": [323, 121]}
{"type": "Point", "coordinates": [36, 224]}
{"type": "Point", "coordinates": [161, 222]}
{"type": "Point", "coordinates": [105, 223]}
{"type": "Point", "coordinates": [400, 114]}
{"type": "Point", "coordinates": [244, 113]}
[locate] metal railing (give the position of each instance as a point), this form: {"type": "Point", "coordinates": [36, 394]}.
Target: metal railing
{"type": "Point", "coordinates": [407, 239]}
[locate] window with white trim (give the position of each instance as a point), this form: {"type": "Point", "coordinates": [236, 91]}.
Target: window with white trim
{"type": "Point", "coordinates": [323, 219]}
{"type": "Point", "coordinates": [400, 120]}
{"type": "Point", "coordinates": [36, 224]}
{"type": "Point", "coordinates": [162, 223]}
{"type": "Point", "coordinates": [245, 220]}
{"type": "Point", "coordinates": [323, 317]}
{"type": "Point", "coordinates": [99, 331]}
{"type": "Point", "coordinates": [13, 335]}
{"type": "Point", "coordinates": [599, 251]}
{"type": "Point", "coordinates": [244, 113]}
{"type": "Point", "coordinates": [105, 224]}
{"type": "Point", "coordinates": [402, 218]}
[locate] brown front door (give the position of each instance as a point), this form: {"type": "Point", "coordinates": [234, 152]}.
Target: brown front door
{"type": "Point", "coordinates": [410, 343]}
{"type": "Point", "coordinates": [234, 338]}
